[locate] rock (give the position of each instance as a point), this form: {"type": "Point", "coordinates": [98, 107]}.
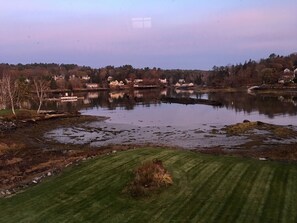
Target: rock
{"type": "Point", "coordinates": [49, 174]}
{"type": "Point", "coordinates": [34, 181]}
{"type": "Point", "coordinates": [262, 158]}
{"type": "Point", "coordinates": [8, 192]}
{"type": "Point", "coordinates": [246, 121]}
{"type": "Point", "coordinates": [114, 151]}
{"type": "Point", "coordinates": [7, 125]}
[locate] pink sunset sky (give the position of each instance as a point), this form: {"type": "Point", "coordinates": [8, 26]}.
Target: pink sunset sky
{"type": "Point", "coordinates": [168, 34]}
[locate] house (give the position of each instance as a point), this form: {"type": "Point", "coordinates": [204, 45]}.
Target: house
{"type": "Point", "coordinates": [114, 84]}
{"type": "Point", "coordinates": [72, 77]}
{"type": "Point", "coordinates": [181, 81]}
{"type": "Point", "coordinates": [85, 77]}
{"type": "Point", "coordinates": [92, 85]}
{"type": "Point", "coordinates": [287, 77]}
{"type": "Point", "coordinates": [138, 81]}
{"type": "Point", "coordinates": [163, 81]}
{"type": "Point", "coordinates": [183, 85]}
{"type": "Point", "coordinates": [59, 77]}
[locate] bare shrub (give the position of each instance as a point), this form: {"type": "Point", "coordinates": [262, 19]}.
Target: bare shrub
{"type": "Point", "coordinates": [150, 176]}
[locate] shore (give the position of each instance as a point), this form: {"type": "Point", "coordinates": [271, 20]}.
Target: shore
{"type": "Point", "coordinates": [26, 157]}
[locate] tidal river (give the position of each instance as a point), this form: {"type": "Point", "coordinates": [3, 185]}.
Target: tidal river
{"type": "Point", "coordinates": [140, 118]}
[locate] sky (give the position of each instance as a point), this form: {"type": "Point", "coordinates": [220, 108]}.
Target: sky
{"type": "Point", "coordinates": [169, 34]}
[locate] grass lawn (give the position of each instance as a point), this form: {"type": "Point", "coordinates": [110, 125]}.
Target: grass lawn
{"type": "Point", "coordinates": [206, 189]}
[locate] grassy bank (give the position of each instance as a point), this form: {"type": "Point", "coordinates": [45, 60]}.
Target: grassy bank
{"type": "Point", "coordinates": [205, 189]}
{"type": "Point", "coordinates": [20, 114]}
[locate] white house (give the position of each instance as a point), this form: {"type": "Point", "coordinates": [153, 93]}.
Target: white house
{"type": "Point", "coordinates": [181, 81]}
{"type": "Point", "coordinates": [288, 76]}
{"type": "Point", "coordinates": [163, 81]}
{"type": "Point", "coordinates": [116, 83]}
{"type": "Point", "coordinates": [85, 77]}
{"type": "Point", "coordinates": [138, 81]}
{"type": "Point", "coordinates": [59, 77]}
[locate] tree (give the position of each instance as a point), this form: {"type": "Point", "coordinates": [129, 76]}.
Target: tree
{"type": "Point", "coordinates": [3, 94]}
{"type": "Point", "coordinates": [22, 93]}
{"type": "Point", "coordinates": [41, 86]}
{"type": "Point", "coordinates": [10, 89]}
{"type": "Point", "coordinates": [269, 76]}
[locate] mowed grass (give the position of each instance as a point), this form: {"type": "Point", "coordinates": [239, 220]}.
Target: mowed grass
{"type": "Point", "coordinates": [206, 189]}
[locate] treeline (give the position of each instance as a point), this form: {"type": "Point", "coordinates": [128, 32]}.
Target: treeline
{"type": "Point", "coordinates": [265, 71]}
{"type": "Point", "coordinates": [74, 76]}
{"type": "Point", "coordinates": [18, 83]}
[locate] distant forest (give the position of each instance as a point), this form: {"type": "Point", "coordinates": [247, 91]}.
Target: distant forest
{"type": "Point", "coordinates": [265, 71]}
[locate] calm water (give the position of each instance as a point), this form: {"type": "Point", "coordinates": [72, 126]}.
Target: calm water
{"type": "Point", "coordinates": [144, 108]}
{"type": "Point", "coordinates": [139, 117]}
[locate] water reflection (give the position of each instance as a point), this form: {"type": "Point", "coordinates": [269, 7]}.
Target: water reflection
{"type": "Point", "coordinates": [270, 106]}
{"type": "Point", "coordinates": [138, 117]}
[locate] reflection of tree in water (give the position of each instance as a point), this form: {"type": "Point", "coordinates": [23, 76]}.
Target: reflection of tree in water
{"type": "Point", "coordinates": [269, 105]}
{"type": "Point", "coordinates": [127, 100]}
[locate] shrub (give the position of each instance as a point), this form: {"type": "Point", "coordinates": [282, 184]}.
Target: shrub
{"type": "Point", "coordinates": [149, 177]}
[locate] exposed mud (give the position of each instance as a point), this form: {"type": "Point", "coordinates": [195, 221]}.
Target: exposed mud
{"type": "Point", "coordinates": [247, 135]}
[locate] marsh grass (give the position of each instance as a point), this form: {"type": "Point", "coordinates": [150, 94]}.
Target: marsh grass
{"type": "Point", "coordinates": [21, 114]}
{"type": "Point", "coordinates": [248, 127]}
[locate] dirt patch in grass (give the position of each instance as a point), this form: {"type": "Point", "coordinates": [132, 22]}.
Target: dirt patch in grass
{"type": "Point", "coordinates": [150, 177]}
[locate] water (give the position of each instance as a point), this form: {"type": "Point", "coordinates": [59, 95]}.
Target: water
{"type": "Point", "coordinates": [185, 116]}
{"type": "Point", "coordinates": [147, 111]}
{"type": "Point", "coordinates": [140, 118]}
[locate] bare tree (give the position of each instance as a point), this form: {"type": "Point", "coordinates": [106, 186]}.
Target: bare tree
{"type": "Point", "coordinates": [40, 87]}
{"type": "Point", "coordinates": [9, 88]}
{"type": "Point", "coordinates": [3, 94]}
